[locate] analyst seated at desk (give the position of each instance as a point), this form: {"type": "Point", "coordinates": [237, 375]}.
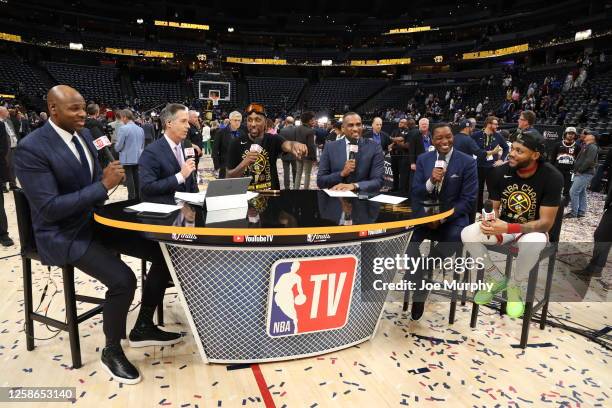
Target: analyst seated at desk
{"type": "Point", "coordinates": [163, 167]}
{"type": "Point", "coordinates": [351, 163]}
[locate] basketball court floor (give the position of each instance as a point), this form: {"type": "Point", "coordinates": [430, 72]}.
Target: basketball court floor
{"type": "Point", "coordinates": [417, 364]}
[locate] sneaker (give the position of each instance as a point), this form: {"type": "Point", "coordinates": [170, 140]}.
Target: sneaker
{"type": "Point", "coordinates": [570, 215]}
{"type": "Point", "coordinates": [515, 307]}
{"type": "Point", "coordinates": [151, 335]}
{"type": "Point", "coordinates": [581, 215]}
{"type": "Point", "coordinates": [416, 312]}
{"type": "Point", "coordinates": [116, 364]}
{"type": "Point", "coordinates": [484, 297]}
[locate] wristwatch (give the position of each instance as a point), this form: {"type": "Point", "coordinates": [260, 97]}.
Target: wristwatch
{"type": "Point", "coordinates": [356, 186]}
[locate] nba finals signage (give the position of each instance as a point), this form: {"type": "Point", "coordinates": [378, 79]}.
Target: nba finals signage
{"type": "Point", "coordinates": [310, 294]}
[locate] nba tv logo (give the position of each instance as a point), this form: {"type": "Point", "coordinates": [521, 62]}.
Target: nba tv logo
{"type": "Point", "coordinates": [310, 294]}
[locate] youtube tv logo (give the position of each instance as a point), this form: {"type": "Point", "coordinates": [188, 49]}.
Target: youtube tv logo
{"type": "Point", "coordinates": [363, 234]}
{"type": "Point", "coordinates": [238, 238]}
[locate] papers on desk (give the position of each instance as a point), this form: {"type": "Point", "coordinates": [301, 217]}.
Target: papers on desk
{"type": "Point", "coordinates": [388, 199]}
{"type": "Point", "coordinates": [333, 193]}
{"type": "Point", "coordinates": [198, 198]}
{"type": "Point", "coordinates": [154, 208]}
{"type": "Point", "coordinates": [192, 198]}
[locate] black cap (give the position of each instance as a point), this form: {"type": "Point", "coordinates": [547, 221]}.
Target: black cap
{"type": "Point", "coordinates": [532, 139]}
{"type": "Point", "coordinates": [465, 124]}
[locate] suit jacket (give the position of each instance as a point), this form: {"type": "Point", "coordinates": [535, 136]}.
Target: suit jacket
{"type": "Point", "coordinates": [306, 135]}
{"type": "Point", "coordinates": [459, 187]}
{"type": "Point", "coordinates": [5, 145]}
{"type": "Point", "coordinates": [416, 147]}
{"type": "Point", "coordinates": [369, 169]}
{"type": "Point", "coordinates": [288, 133]}
{"type": "Point", "coordinates": [61, 203]}
{"type": "Point", "coordinates": [149, 132]}
{"type": "Point", "coordinates": [467, 145]}
{"type": "Point", "coordinates": [157, 170]}
{"type": "Point", "coordinates": [222, 144]}
{"type": "Point", "coordinates": [130, 143]}
{"type": "Point", "coordinates": [195, 135]}
{"type": "Point", "coordinates": [95, 127]}
{"type": "Point", "coordinates": [385, 140]}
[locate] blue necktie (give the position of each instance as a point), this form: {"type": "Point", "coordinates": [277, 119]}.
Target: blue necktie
{"type": "Point", "coordinates": [86, 173]}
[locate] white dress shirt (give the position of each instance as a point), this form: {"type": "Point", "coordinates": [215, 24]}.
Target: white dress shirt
{"type": "Point", "coordinates": [67, 138]}
{"type": "Point", "coordinates": [11, 132]}
{"type": "Point", "coordinates": [179, 176]}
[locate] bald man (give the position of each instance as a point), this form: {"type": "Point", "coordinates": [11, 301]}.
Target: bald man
{"type": "Point", "coordinates": [63, 182]}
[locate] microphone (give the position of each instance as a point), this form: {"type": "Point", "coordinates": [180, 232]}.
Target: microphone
{"type": "Point", "coordinates": [488, 214]}
{"type": "Point", "coordinates": [189, 152]}
{"type": "Point", "coordinates": [439, 164]}
{"type": "Point", "coordinates": [353, 150]}
{"type": "Point", "coordinates": [101, 145]}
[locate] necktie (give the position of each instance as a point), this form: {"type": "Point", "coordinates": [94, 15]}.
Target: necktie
{"type": "Point", "coordinates": [178, 155]}
{"type": "Point", "coordinates": [86, 173]}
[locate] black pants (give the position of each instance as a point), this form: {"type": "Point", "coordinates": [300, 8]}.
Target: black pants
{"type": "Point", "coordinates": [567, 183]}
{"type": "Point", "coordinates": [131, 181]}
{"type": "Point", "coordinates": [483, 176]}
{"type": "Point", "coordinates": [401, 173]}
{"type": "Point", "coordinates": [100, 262]}
{"type": "Point", "coordinates": [3, 221]}
{"type": "Point", "coordinates": [603, 242]}
{"type": "Point", "coordinates": [12, 179]}
{"type": "Point", "coordinates": [289, 170]}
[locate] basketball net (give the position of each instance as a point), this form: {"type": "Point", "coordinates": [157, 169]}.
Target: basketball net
{"type": "Point", "coordinates": [215, 100]}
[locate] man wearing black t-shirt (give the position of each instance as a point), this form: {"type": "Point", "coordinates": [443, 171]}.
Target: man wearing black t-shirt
{"type": "Point", "coordinates": [563, 158]}
{"type": "Point", "coordinates": [526, 193]}
{"type": "Point", "coordinates": [254, 155]}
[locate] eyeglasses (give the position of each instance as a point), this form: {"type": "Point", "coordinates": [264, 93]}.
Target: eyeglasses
{"type": "Point", "coordinates": [256, 108]}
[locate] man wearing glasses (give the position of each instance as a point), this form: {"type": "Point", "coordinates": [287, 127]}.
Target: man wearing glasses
{"type": "Point", "coordinates": [255, 154]}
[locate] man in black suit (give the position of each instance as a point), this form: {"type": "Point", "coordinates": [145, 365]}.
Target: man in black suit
{"type": "Point", "coordinates": [399, 155]}
{"type": "Point", "coordinates": [4, 177]}
{"type": "Point", "coordinates": [224, 140]}
{"type": "Point", "coordinates": [195, 135]}
{"type": "Point", "coordinates": [305, 134]}
{"type": "Point", "coordinates": [93, 122]}
{"type": "Point", "coordinates": [419, 141]}
{"type": "Point", "coordinates": [149, 131]}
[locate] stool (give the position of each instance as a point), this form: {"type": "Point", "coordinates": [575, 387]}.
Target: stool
{"type": "Point", "coordinates": [29, 253]}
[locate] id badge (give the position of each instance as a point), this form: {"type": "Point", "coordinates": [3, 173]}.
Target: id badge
{"type": "Point", "coordinates": [572, 178]}
{"type": "Point", "coordinates": [431, 149]}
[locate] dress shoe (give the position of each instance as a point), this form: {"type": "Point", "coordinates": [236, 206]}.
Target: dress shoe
{"type": "Point", "coordinates": [416, 312]}
{"type": "Point", "coordinates": [118, 366]}
{"type": "Point", "coordinates": [13, 188]}
{"type": "Point", "coordinates": [6, 241]}
{"type": "Point", "coordinates": [570, 215]}
{"type": "Point", "coordinates": [145, 333]}
{"type": "Point", "coordinates": [4, 190]}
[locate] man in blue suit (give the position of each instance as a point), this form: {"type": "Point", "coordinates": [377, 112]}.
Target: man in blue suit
{"type": "Point", "coordinates": [129, 145]}
{"type": "Point", "coordinates": [451, 176]}
{"type": "Point", "coordinates": [63, 182]}
{"type": "Point", "coordinates": [351, 163]}
{"type": "Point", "coordinates": [163, 167]}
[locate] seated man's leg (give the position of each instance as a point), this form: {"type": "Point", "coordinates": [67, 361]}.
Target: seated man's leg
{"type": "Point", "coordinates": [101, 264]}
{"type": "Point", "coordinates": [130, 243]}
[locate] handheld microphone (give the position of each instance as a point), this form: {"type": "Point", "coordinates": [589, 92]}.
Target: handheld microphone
{"type": "Point", "coordinates": [439, 164]}
{"type": "Point", "coordinates": [488, 214]}
{"type": "Point", "coordinates": [189, 152]}
{"type": "Point", "coordinates": [353, 150]}
{"type": "Point", "coordinates": [101, 145]}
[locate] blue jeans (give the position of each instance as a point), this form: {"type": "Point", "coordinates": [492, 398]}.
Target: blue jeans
{"type": "Point", "coordinates": [578, 193]}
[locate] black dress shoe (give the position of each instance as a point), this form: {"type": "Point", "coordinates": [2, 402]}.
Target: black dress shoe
{"type": "Point", "coordinates": [118, 366]}
{"type": "Point", "coordinates": [151, 335]}
{"type": "Point", "coordinates": [416, 312]}
{"type": "Point", "coordinates": [13, 188]}
{"type": "Point", "coordinates": [4, 190]}
{"type": "Point", "coordinates": [570, 215]}
{"type": "Point", "coordinates": [6, 241]}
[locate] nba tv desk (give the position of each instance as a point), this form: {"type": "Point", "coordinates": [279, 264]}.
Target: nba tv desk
{"type": "Point", "coordinates": [283, 281]}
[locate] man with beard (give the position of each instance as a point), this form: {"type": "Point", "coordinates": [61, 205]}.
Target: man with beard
{"type": "Point", "coordinates": [254, 154]}
{"type": "Point", "coordinates": [563, 158]}
{"type": "Point", "coordinates": [526, 193]}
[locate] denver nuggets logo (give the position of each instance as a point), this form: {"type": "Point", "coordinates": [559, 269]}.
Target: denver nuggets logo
{"type": "Point", "coordinates": [519, 202]}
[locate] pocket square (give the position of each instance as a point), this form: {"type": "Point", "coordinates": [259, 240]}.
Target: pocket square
{"type": "Point", "coordinates": [454, 176]}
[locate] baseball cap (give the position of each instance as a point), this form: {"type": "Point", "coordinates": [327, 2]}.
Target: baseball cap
{"type": "Point", "coordinates": [532, 139]}
{"type": "Point", "coordinates": [570, 129]}
{"type": "Point", "coordinates": [464, 124]}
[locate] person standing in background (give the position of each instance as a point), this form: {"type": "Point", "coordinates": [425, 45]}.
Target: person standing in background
{"type": "Point", "coordinates": [5, 240]}
{"type": "Point", "coordinates": [305, 134]}
{"type": "Point", "coordinates": [13, 138]}
{"type": "Point", "coordinates": [563, 158]}
{"type": "Point", "coordinates": [149, 131]}
{"type": "Point", "coordinates": [130, 144]}
{"type": "Point", "coordinates": [289, 169]}
{"type": "Point", "coordinates": [584, 170]}
{"type": "Point", "coordinates": [206, 147]}
{"type": "Point", "coordinates": [224, 139]}
{"type": "Point", "coordinates": [195, 135]}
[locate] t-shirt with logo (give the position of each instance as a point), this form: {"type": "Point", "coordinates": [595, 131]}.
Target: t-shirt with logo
{"type": "Point", "coordinates": [521, 198]}
{"type": "Point", "coordinates": [263, 173]}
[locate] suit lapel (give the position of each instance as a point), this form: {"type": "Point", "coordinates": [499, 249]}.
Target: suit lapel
{"type": "Point", "coordinates": [170, 155]}
{"type": "Point", "coordinates": [450, 170]}
{"type": "Point", "coordinates": [57, 143]}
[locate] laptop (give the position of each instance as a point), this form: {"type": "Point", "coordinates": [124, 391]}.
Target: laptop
{"type": "Point", "coordinates": [229, 186]}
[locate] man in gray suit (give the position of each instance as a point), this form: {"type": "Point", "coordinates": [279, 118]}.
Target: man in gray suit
{"type": "Point", "coordinates": [305, 134]}
{"type": "Point", "coordinates": [130, 144]}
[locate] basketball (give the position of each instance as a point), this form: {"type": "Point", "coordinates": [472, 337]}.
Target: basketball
{"type": "Point", "coordinates": [300, 299]}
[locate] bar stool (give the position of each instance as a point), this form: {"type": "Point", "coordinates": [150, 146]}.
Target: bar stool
{"type": "Point", "coordinates": [29, 253]}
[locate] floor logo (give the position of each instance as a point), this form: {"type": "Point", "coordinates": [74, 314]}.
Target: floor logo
{"type": "Point", "coordinates": [310, 294]}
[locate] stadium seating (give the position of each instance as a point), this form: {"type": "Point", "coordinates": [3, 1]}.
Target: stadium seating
{"type": "Point", "coordinates": [338, 93]}
{"type": "Point", "coordinates": [277, 94]}
{"type": "Point", "coordinates": [154, 93]}
{"type": "Point", "coordinates": [17, 77]}
{"type": "Point", "coordinates": [99, 84]}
